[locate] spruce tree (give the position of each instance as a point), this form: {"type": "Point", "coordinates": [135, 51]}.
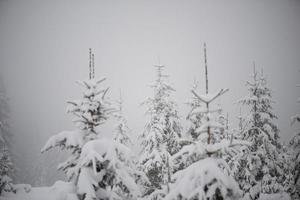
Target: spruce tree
{"type": "Point", "coordinates": [294, 166]}
{"type": "Point", "coordinates": [204, 173]}
{"type": "Point", "coordinates": [107, 166]}
{"type": "Point", "coordinates": [294, 153]}
{"type": "Point", "coordinates": [122, 130]}
{"type": "Point", "coordinates": [89, 112]}
{"type": "Point", "coordinates": [259, 170]}
{"type": "Point", "coordinates": [160, 139]}
{"type": "Point", "coordinates": [100, 168]}
{"type": "Point", "coordinates": [6, 166]}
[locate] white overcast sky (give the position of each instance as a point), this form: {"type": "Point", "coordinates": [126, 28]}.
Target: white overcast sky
{"type": "Point", "coordinates": [44, 49]}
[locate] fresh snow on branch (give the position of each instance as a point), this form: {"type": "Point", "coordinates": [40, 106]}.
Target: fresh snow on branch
{"type": "Point", "coordinates": [203, 180]}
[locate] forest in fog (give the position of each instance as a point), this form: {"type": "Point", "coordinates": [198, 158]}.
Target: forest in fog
{"type": "Point", "coordinates": [149, 100]}
{"type": "Point", "coordinates": [209, 160]}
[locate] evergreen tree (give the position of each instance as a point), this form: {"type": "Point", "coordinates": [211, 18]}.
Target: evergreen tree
{"type": "Point", "coordinates": [287, 164]}
{"type": "Point", "coordinates": [122, 130]}
{"type": "Point", "coordinates": [258, 168]}
{"type": "Point", "coordinates": [89, 112]}
{"type": "Point", "coordinates": [100, 168]}
{"type": "Point", "coordinates": [6, 166]}
{"type": "Point", "coordinates": [108, 166]}
{"type": "Point", "coordinates": [160, 139]}
{"type": "Point", "coordinates": [204, 173]}
{"type": "Point", "coordinates": [107, 172]}
{"type": "Point", "coordinates": [294, 164]}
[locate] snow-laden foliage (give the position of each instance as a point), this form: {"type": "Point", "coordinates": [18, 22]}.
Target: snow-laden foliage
{"type": "Point", "coordinates": [203, 180]}
{"type": "Point", "coordinates": [199, 150]}
{"type": "Point", "coordinates": [58, 191]}
{"type": "Point", "coordinates": [6, 166]}
{"type": "Point", "coordinates": [160, 139]}
{"type": "Point", "coordinates": [195, 114]}
{"type": "Point", "coordinates": [122, 130]}
{"type": "Point", "coordinates": [92, 110]}
{"type": "Point", "coordinates": [294, 164]}
{"type": "Point", "coordinates": [100, 168]}
{"type": "Point", "coordinates": [89, 112]}
{"type": "Point", "coordinates": [121, 135]}
{"type": "Point", "coordinates": [287, 164]}
{"type": "Point", "coordinates": [210, 130]}
{"type": "Point", "coordinates": [106, 171]}
{"type": "Point", "coordinates": [258, 169]}
{"type": "Point", "coordinates": [203, 173]}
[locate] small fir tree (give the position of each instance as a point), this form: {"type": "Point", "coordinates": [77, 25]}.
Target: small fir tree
{"type": "Point", "coordinates": [6, 166]}
{"type": "Point", "coordinates": [258, 168]}
{"type": "Point", "coordinates": [160, 139]}
{"type": "Point", "coordinates": [204, 173]}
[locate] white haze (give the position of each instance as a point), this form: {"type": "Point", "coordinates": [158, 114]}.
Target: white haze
{"type": "Point", "coordinates": [44, 49]}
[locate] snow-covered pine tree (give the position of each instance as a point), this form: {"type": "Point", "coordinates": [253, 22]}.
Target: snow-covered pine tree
{"type": "Point", "coordinates": [294, 153]}
{"type": "Point", "coordinates": [6, 166]}
{"type": "Point", "coordinates": [121, 130]}
{"type": "Point", "coordinates": [99, 167]}
{"type": "Point", "coordinates": [89, 112]}
{"type": "Point", "coordinates": [294, 185]}
{"type": "Point", "coordinates": [258, 170]}
{"type": "Point", "coordinates": [121, 135]}
{"type": "Point", "coordinates": [108, 166]}
{"type": "Point", "coordinates": [205, 174]}
{"type": "Point", "coordinates": [287, 165]}
{"type": "Point", "coordinates": [160, 139]}
{"type": "Point", "coordinates": [236, 133]}
{"type": "Point", "coordinates": [107, 171]}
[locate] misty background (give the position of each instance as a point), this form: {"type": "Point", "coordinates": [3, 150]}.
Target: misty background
{"type": "Point", "coordinates": [44, 50]}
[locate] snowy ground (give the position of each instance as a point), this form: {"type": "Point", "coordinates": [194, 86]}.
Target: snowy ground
{"type": "Point", "coordinates": [59, 191]}
{"type": "Point", "coordinates": [65, 191]}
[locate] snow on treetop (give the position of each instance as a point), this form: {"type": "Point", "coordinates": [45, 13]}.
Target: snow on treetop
{"type": "Point", "coordinates": [91, 110]}
{"type": "Point", "coordinates": [190, 183]}
{"type": "Point", "coordinates": [91, 87]}
{"type": "Point", "coordinates": [67, 139]}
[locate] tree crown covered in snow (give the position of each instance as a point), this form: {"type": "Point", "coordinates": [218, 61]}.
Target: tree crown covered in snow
{"type": "Point", "coordinates": [160, 139]}
{"type": "Point", "coordinates": [89, 112]}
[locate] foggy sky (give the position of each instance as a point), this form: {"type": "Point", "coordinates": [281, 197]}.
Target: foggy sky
{"type": "Point", "coordinates": [44, 50]}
